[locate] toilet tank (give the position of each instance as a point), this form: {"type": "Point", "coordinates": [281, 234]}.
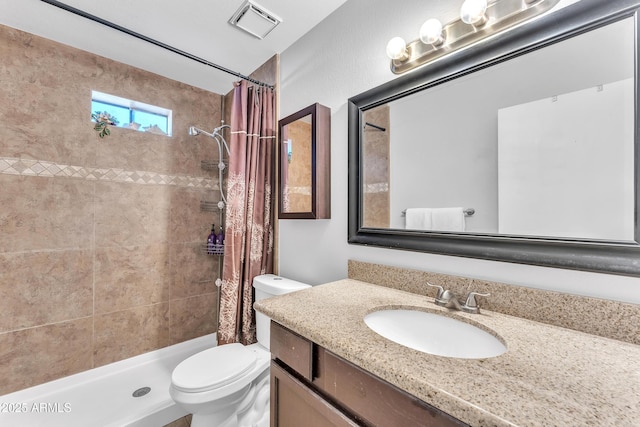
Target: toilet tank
{"type": "Point", "coordinates": [267, 286]}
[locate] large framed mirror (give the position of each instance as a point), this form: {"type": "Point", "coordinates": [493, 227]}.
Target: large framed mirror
{"type": "Point", "coordinates": [522, 148]}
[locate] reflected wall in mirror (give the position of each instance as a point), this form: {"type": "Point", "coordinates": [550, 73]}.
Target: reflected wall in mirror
{"type": "Point", "coordinates": [532, 155]}
{"type": "Point", "coordinates": [304, 168]}
{"type": "Point", "coordinates": [376, 181]}
{"type": "Point", "coordinates": [296, 170]}
{"type": "Point", "coordinates": [522, 149]}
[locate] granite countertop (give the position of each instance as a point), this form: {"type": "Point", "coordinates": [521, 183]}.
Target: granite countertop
{"type": "Point", "coordinates": [549, 376]}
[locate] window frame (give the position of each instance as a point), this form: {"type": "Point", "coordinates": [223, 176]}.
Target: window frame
{"type": "Point", "coordinates": [133, 107]}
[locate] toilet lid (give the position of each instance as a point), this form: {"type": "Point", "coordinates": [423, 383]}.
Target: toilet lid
{"type": "Point", "coordinates": [213, 368]}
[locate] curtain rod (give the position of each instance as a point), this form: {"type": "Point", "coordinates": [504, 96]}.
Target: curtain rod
{"type": "Point", "coordinates": [152, 41]}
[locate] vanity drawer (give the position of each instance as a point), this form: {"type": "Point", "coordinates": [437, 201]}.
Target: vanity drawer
{"type": "Point", "coordinates": [292, 349]}
{"type": "Point", "coordinates": [373, 401]}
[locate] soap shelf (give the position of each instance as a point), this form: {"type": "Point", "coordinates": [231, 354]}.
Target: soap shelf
{"type": "Point", "coordinates": [210, 165]}
{"type": "Point", "coordinates": [202, 282]}
{"type": "Point", "coordinates": [209, 206]}
{"type": "Point", "coordinates": [212, 249]}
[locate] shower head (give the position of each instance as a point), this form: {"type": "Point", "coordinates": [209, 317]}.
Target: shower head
{"type": "Point", "coordinates": [214, 133]}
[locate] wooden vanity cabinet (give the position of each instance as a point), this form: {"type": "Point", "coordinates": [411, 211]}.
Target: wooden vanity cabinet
{"type": "Point", "coordinates": [310, 386]}
{"type": "Point", "coordinates": [295, 404]}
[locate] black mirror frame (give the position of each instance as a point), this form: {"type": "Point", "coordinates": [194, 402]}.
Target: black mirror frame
{"type": "Point", "coordinates": [613, 257]}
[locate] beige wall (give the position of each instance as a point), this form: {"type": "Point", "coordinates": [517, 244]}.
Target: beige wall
{"type": "Point", "coordinates": [100, 239]}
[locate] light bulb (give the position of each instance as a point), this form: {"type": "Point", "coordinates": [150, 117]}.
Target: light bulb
{"type": "Point", "coordinates": [431, 32]}
{"type": "Point", "coordinates": [472, 12]}
{"type": "Point", "coordinates": [397, 48]}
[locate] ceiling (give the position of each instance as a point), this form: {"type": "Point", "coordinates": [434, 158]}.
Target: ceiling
{"type": "Point", "coordinates": [198, 27]}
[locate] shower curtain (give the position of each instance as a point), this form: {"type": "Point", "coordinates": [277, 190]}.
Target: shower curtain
{"type": "Point", "coordinates": [250, 210]}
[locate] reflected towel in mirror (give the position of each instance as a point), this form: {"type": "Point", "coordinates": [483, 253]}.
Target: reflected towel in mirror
{"type": "Point", "coordinates": [447, 219]}
{"type": "Point", "coordinates": [418, 219]}
{"type": "Point", "coordinates": [435, 219]}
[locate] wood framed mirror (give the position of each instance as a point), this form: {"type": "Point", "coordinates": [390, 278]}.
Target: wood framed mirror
{"type": "Point", "coordinates": [304, 169]}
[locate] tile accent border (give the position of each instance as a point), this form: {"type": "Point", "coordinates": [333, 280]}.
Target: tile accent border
{"type": "Point", "coordinates": [378, 187]}
{"type": "Point", "coordinates": [42, 168]}
{"type": "Point", "coordinates": [306, 191]}
{"type": "Point", "coordinates": [605, 318]}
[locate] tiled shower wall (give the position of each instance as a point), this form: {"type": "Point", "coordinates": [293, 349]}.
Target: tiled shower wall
{"type": "Point", "coordinates": [100, 239]}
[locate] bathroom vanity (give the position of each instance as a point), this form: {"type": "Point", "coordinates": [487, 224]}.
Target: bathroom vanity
{"type": "Point", "coordinates": [326, 360]}
{"type": "Point", "coordinates": [311, 386]}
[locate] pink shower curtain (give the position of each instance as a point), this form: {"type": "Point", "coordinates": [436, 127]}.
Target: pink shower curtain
{"type": "Point", "coordinates": [250, 210]}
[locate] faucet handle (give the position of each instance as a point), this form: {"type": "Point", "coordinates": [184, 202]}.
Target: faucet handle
{"type": "Point", "coordinates": [440, 290]}
{"type": "Point", "coordinates": [471, 305]}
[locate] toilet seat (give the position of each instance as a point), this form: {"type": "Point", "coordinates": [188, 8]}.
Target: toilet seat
{"type": "Point", "coordinates": [213, 368]}
{"type": "Point", "coordinates": [229, 385]}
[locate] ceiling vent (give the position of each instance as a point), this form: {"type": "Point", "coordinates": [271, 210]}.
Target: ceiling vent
{"type": "Point", "coordinates": [254, 19]}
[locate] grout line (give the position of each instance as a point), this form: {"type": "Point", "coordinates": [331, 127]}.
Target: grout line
{"type": "Point", "coordinates": [93, 308]}
{"type": "Point", "coordinates": [44, 324]}
{"type": "Point", "coordinates": [48, 250]}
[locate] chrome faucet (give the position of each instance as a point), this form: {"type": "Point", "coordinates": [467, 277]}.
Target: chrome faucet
{"type": "Point", "coordinates": [446, 298]}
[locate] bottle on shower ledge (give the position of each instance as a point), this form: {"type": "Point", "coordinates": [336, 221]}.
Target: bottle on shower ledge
{"type": "Point", "coordinates": [220, 240]}
{"type": "Point", "coordinates": [211, 240]}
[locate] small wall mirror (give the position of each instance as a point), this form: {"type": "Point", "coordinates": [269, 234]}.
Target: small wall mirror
{"type": "Point", "coordinates": [304, 168]}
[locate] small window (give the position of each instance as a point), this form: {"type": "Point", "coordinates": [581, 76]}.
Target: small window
{"type": "Point", "coordinates": [132, 114]}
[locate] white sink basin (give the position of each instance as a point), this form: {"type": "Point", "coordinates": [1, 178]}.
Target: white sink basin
{"type": "Point", "coordinates": [435, 334]}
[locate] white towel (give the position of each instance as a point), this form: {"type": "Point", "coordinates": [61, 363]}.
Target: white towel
{"type": "Point", "coordinates": [418, 219]}
{"type": "Point", "coordinates": [447, 219]}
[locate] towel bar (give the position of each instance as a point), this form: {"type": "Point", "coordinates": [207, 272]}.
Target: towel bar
{"type": "Point", "coordinates": [467, 212]}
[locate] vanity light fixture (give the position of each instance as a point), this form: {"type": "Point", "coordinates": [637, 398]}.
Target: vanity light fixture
{"type": "Point", "coordinates": [478, 19]}
{"type": "Point", "coordinates": [397, 49]}
{"type": "Point", "coordinates": [431, 32]}
{"type": "Point", "coordinates": [473, 12]}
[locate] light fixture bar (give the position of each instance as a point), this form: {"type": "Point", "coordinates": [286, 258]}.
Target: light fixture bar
{"type": "Point", "coordinates": [500, 15]}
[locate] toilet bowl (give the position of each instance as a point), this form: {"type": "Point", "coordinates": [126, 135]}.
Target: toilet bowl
{"type": "Point", "coordinates": [228, 385]}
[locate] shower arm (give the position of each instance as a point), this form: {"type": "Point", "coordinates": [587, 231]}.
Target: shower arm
{"type": "Point", "coordinates": [215, 134]}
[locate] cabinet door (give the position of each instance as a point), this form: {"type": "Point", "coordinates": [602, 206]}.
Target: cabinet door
{"type": "Point", "coordinates": [293, 404]}
{"type": "Point", "coordinates": [292, 350]}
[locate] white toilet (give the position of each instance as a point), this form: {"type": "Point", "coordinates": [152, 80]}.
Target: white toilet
{"type": "Point", "coordinates": [228, 385]}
